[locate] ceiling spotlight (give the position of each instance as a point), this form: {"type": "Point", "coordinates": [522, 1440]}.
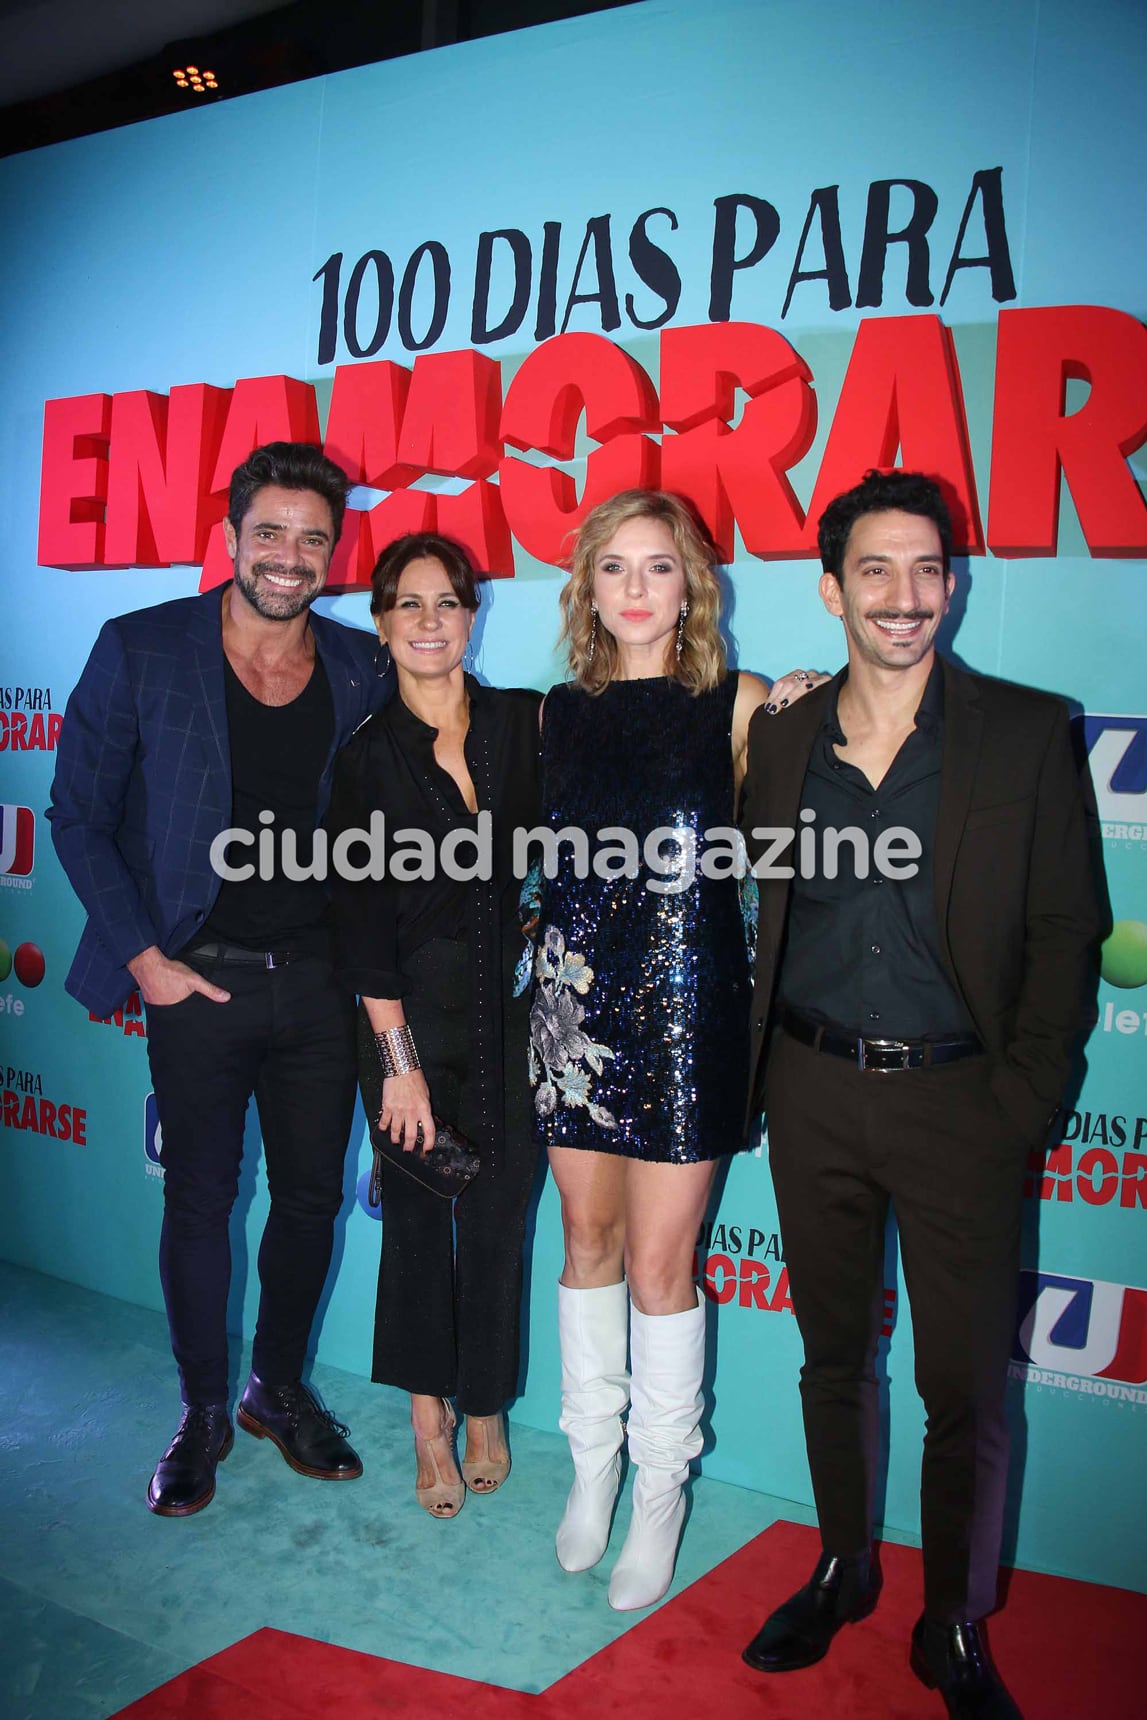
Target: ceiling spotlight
{"type": "Point", "coordinates": [191, 78]}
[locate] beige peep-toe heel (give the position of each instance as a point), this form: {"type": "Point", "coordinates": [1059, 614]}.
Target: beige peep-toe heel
{"type": "Point", "coordinates": [485, 1474]}
{"type": "Point", "coordinates": [440, 1498]}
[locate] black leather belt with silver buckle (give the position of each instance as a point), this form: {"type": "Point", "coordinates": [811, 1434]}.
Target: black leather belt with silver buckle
{"type": "Point", "coordinates": [234, 955]}
{"type": "Point", "coordinates": [877, 1056]}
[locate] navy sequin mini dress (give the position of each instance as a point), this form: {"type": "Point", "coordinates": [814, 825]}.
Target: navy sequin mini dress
{"type": "Point", "coordinates": [639, 1029]}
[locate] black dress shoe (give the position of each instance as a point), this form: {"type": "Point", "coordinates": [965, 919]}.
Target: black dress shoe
{"type": "Point", "coordinates": [184, 1480]}
{"type": "Point", "coordinates": [840, 1591]}
{"type": "Point", "coordinates": [955, 1660]}
{"type": "Point", "coordinates": [308, 1435]}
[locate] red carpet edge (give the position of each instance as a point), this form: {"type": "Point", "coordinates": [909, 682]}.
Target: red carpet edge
{"type": "Point", "coordinates": [683, 1661]}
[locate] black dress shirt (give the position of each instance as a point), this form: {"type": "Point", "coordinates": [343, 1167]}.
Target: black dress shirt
{"type": "Point", "coordinates": [389, 766]}
{"type": "Point", "coordinates": [863, 953]}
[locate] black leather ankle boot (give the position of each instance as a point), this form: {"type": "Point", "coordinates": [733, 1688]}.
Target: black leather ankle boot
{"type": "Point", "coordinates": [840, 1591]}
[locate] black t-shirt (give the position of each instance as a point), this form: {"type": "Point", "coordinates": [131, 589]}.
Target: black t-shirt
{"type": "Point", "coordinates": [278, 753]}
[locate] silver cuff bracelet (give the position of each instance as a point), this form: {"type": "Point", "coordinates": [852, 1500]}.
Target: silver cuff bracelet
{"type": "Point", "coordinates": [397, 1051]}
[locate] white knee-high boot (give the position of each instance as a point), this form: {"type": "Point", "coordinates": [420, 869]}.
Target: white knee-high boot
{"type": "Point", "coordinates": [668, 1352]}
{"type": "Point", "coordinates": [593, 1332]}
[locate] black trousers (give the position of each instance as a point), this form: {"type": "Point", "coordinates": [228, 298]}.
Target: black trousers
{"type": "Point", "coordinates": [843, 1145]}
{"type": "Point", "coordinates": [286, 1036]}
{"type": "Point", "coordinates": [448, 1316]}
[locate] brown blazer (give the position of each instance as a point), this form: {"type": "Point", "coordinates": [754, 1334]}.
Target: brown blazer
{"type": "Point", "coordinates": [1015, 896]}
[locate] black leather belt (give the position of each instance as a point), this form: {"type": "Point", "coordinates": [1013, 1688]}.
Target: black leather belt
{"type": "Point", "coordinates": [877, 1056]}
{"type": "Point", "coordinates": [234, 955]}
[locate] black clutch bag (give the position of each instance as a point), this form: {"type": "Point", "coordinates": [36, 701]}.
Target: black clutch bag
{"type": "Point", "coordinates": [447, 1169]}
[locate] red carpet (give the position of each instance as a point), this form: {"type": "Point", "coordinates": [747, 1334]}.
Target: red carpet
{"type": "Point", "coordinates": [682, 1663]}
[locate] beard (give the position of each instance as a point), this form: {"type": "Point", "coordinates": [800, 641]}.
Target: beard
{"type": "Point", "coordinates": [270, 602]}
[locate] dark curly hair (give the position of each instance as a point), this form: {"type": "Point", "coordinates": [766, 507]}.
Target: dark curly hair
{"type": "Point", "coordinates": [290, 466]}
{"type": "Point", "coordinates": [877, 493]}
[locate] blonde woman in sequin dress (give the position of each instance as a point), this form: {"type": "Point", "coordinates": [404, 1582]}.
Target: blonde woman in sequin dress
{"type": "Point", "coordinates": [640, 1020]}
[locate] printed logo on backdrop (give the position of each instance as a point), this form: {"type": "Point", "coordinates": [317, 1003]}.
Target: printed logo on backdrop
{"type": "Point", "coordinates": [1117, 756]}
{"type": "Point", "coordinates": [24, 964]}
{"type": "Point", "coordinates": [17, 847]}
{"type": "Point", "coordinates": [152, 1138]}
{"type": "Point", "coordinates": [1113, 1018]}
{"type": "Point", "coordinates": [1082, 1335]}
{"type": "Point", "coordinates": [742, 1264]}
{"type": "Point", "coordinates": [28, 1109]}
{"type": "Point", "coordinates": [1100, 1160]}
{"type": "Point", "coordinates": [27, 721]}
{"type": "Point", "coordinates": [129, 1019]}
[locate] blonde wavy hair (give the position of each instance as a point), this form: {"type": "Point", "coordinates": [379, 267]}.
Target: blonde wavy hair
{"type": "Point", "coordinates": [701, 665]}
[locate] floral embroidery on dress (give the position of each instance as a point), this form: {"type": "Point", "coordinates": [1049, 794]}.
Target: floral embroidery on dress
{"type": "Point", "coordinates": [558, 1046]}
{"type": "Point", "coordinates": [529, 913]}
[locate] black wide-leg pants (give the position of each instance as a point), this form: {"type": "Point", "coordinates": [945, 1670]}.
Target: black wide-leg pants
{"type": "Point", "coordinates": [843, 1145]}
{"type": "Point", "coordinates": [448, 1315]}
{"type": "Point", "coordinates": [286, 1036]}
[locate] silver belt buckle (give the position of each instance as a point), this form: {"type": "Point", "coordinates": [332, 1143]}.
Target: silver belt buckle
{"type": "Point", "coordinates": [867, 1068]}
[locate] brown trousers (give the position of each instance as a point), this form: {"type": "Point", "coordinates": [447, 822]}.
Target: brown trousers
{"type": "Point", "coordinates": [844, 1145]}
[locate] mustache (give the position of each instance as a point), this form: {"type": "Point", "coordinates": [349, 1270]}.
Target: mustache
{"type": "Point", "coordinates": [900, 614]}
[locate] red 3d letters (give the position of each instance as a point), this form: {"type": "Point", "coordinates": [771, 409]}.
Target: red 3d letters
{"type": "Point", "coordinates": [139, 479]}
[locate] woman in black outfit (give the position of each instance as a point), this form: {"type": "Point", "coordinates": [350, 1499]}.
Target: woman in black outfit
{"type": "Point", "coordinates": [433, 961]}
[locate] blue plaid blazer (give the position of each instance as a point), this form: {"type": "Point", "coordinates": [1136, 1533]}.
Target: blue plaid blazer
{"type": "Point", "coordinates": [143, 778]}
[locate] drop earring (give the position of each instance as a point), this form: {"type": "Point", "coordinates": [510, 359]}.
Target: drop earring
{"type": "Point", "coordinates": [592, 635]}
{"type": "Point", "coordinates": [681, 629]}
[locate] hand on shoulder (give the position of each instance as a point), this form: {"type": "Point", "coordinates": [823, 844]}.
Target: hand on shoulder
{"type": "Point", "coordinates": [754, 695]}
{"type": "Point", "coordinates": [790, 687]}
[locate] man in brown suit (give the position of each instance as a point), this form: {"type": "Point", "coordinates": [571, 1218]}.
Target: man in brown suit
{"type": "Point", "coordinates": [914, 1008]}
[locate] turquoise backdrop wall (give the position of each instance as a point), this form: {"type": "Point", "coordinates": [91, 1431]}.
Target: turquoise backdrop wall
{"type": "Point", "coordinates": [900, 194]}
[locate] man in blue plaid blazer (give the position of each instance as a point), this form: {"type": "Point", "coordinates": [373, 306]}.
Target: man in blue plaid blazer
{"type": "Point", "coordinates": [218, 714]}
